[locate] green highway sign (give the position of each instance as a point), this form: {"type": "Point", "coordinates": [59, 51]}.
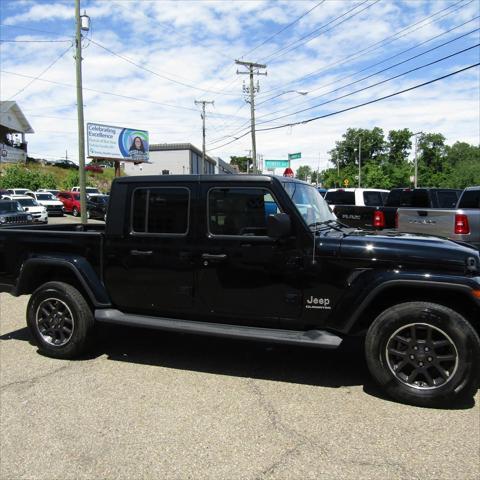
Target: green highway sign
{"type": "Point", "coordinates": [271, 164]}
{"type": "Point", "coordinates": [294, 156]}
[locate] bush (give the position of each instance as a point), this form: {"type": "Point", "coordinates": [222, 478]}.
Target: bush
{"type": "Point", "coordinates": [17, 176]}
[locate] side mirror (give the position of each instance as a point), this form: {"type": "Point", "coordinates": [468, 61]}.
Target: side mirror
{"type": "Point", "coordinates": [279, 225]}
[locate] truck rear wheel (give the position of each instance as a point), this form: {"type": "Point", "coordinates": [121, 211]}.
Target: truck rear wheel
{"type": "Point", "coordinates": [60, 320]}
{"type": "Point", "coordinates": [424, 354]}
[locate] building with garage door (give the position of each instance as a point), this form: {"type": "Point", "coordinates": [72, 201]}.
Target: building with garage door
{"type": "Point", "coordinates": [173, 159]}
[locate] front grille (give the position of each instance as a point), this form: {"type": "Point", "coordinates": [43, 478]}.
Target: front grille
{"type": "Point", "coordinates": [15, 219]}
{"type": "Point", "coordinates": [54, 208]}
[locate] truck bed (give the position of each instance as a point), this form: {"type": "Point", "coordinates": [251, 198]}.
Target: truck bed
{"type": "Point", "coordinates": [440, 222]}
{"type": "Point", "coordinates": [65, 241]}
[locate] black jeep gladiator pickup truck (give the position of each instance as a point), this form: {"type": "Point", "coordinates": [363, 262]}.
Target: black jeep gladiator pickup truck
{"type": "Point", "coordinates": [260, 258]}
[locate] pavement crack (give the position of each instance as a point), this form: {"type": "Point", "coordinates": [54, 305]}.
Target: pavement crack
{"type": "Point", "coordinates": [301, 440]}
{"type": "Point", "coordinates": [35, 379]}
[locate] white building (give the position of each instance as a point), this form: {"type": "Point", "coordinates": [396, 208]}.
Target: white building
{"type": "Point", "coordinates": [172, 159]}
{"type": "Point", "coordinates": [13, 127]}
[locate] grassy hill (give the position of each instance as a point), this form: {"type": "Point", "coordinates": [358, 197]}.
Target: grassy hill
{"type": "Point", "coordinates": [35, 175]}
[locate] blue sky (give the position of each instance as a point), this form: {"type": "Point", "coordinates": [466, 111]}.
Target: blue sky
{"type": "Point", "coordinates": [185, 51]}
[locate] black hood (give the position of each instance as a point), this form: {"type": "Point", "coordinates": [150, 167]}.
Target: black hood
{"type": "Point", "coordinates": [424, 252]}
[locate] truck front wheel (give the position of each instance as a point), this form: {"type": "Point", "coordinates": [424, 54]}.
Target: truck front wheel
{"type": "Point", "coordinates": [60, 320]}
{"type": "Point", "coordinates": [424, 354]}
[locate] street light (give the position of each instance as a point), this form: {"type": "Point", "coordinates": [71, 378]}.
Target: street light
{"type": "Point", "coordinates": [416, 162]}
{"type": "Point", "coordinates": [299, 92]}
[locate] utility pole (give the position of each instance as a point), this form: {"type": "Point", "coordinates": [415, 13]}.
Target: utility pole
{"type": "Point", "coordinates": [81, 24]}
{"type": "Point", "coordinates": [203, 114]}
{"type": "Point", "coordinates": [359, 162]}
{"type": "Point", "coordinates": [252, 69]}
{"type": "Point", "coordinates": [416, 160]}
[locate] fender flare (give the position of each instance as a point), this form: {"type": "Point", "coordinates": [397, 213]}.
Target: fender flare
{"type": "Point", "coordinates": [367, 301]}
{"type": "Point", "coordinates": [79, 266]}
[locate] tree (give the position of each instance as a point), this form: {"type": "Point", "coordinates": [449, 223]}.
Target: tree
{"type": "Point", "coordinates": [399, 144]}
{"type": "Point", "coordinates": [241, 163]}
{"type": "Point", "coordinates": [304, 172]}
{"type": "Point", "coordinates": [346, 150]}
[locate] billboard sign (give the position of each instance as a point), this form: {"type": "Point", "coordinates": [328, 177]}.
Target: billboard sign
{"type": "Point", "coordinates": [272, 164]}
{"type": "Point", "coordinates": [117, 143]}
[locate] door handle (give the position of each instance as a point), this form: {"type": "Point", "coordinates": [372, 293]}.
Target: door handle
{"type": "Point", "coordinates": [141, 252]}
{"type": "Point", "coordinates": [214, 258]}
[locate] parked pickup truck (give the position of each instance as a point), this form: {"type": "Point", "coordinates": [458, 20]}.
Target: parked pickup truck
{"type": "Point", "coordinates": [380, 217]}
{"type": "Point", "coordinates": [461, 223]}
{"type": "Point", "coordinates": [358, 207]}
{"type": "Point", "coordinates": [257, 258]}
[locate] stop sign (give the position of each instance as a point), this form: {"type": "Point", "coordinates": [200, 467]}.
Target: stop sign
{"type": "Point", "coordinates": [288, 172]}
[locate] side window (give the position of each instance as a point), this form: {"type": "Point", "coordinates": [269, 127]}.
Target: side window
{"type": "Point", "coordinates": [160, 210]}
{"type": "Point", "coordinates": [240, 211]}
{"type": "Point", "coordinates": [470, 199]}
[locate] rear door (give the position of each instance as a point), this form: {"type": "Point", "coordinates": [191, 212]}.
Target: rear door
{"type": "Point", "coordinates": [150, 268]}
{"type": "Point", "coordinates": [244, 275]}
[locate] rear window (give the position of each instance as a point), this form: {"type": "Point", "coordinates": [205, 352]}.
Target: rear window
{"type": "Point", "coordinates": [470, 199]}
{"type": "Point", "coordinates": [340, 197]}
{"type": "Point", "coordinates": [373, 199]}
{"type": "Point", "coordinates": [408, 198]}
{"type": "Point", "coordinates": [162, 210]}
{"type": "Point", "coordinates": [447, 198]}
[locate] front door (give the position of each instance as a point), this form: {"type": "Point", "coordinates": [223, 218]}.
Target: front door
{"type": "Point", "coordinates": [150, 269]}
{"type": "Point", "coordinates": [244, 275]}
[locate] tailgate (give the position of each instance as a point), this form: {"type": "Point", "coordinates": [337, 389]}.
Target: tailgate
{"type": "Point", "coordinates": [357, 217]}
{"type": "Point", "coordinates": [430, 221]}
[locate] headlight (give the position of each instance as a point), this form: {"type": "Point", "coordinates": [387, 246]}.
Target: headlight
{"type": "Point", "coordinates": [29, 218]}
{"type": "Point", "coordinates": [3, 219]}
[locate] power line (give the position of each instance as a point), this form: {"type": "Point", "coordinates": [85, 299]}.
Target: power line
{"type": "Point", "coordinates": [354, 107]}
{"type": "Point", "coordinates": [371, 101]}
{"type": "Point", "coordinates": [394, 56]}
{"type": "Point", "coordinates": [288, 48]}
{"type": "Point", "coordinates": [381, 71]}
{"type": "Point", "coordinates": [376, 84]}
{"type": "Point", "coordinates": [101, 92]}
{"type": "Point", "coordinates": [142, 67]}
{"type": "Point", "coordinates": [381, 43]}
{"type": "Point", "coordinates": [283, 29]}
{"type": "Point", "coordinates": [34, 79]}
{"type": "Point", "coordinates": [361, 52]}
{"type": "Point", "coordinates": [33, 41]}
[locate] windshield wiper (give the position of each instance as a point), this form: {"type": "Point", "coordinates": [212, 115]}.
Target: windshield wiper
{"type": "Point", "coordinates": [329, 224]}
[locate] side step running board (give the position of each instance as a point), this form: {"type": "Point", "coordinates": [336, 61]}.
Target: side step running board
{"type": "Point", "coordinates": [318, 338]}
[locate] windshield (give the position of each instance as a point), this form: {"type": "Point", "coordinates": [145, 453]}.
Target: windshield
{"type": "Point", "coordinates": [92, 190]}
{"type": "Point", "coordinates": [27, 202]}
{"type": "Point", "coordinates": [45, 196]}
{"type": "Point", "coordinates": [309, 203]}
{"type": "Point", "coordinates": [9, 207]}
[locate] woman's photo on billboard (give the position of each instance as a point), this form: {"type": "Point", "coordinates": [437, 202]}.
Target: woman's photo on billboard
{"type": "Point", "coordinates": [137, 145]}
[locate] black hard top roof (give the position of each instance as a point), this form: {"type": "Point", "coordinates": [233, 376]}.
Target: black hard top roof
{"type": "Point", "coordinates": [206, 178]}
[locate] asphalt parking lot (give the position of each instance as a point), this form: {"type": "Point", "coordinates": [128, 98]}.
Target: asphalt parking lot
{"type": "Point", "coordinates": [146, 404]}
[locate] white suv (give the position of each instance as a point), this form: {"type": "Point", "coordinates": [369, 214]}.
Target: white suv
{"type": "Point", "coordinates": [30, 205]}
{"type": "Point", "coordinates": [53, 205]}
{"type": "Point", "coordinates": [88, 190]}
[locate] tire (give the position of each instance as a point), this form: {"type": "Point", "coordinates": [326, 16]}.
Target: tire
{"type": "Point", "coordinates": [424, 354]}
{"type": "Point", "coordinates": [73, 320]}
{"type": "Point", "coordinates": [75, 212]}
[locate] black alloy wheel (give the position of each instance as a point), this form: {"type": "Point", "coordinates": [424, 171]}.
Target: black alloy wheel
{"type": "Point", "coordinates": [422, 356]}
